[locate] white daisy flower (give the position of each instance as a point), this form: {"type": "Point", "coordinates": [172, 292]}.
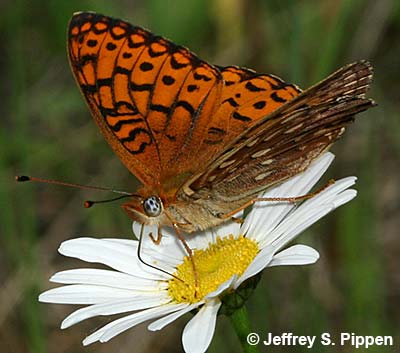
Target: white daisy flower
{"type": "Point", "coordinates": [225, 257]}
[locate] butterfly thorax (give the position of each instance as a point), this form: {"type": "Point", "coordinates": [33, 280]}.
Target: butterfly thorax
{"type": "Point", "coordinates": [189, 212]}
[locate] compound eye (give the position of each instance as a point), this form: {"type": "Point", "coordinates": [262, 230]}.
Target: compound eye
{"type": "Point", "coordinates": [152, 206]}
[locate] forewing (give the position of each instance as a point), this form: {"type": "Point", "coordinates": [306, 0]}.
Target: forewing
{"type": "Point", "coordinates": [285, 142]}
{"type": "Point", "coordinates": [153, 100]}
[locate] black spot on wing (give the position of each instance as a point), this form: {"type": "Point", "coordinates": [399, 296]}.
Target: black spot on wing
{"type": "Point", "coordinates": [253, 88]}
{"type": "Point", "coordinates": [260, 104]}
{"type": "Point", "coordinates": [111, 46]}
{"type": "Point", "coordinates": [192, 88]}
{"type": "Point", "coordinates": [146, 66]}
{"type": "Point", "coordinates": [91, 43]}
{"type": "Point", "coordinates": [277, 99]}
{"type": "Point", "coordinates": [241, 117]}
{"type": "Point", "coordinates": [199, 77]}
{"type": "Point", "coordinates": [168, 80]}
{"type": "Point", "coordinates": [231, 102]}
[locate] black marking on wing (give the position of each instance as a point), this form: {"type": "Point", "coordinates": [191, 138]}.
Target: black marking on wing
{"type": "Point", "coordinates": [146, 66]}
{"type": "Point", "coordinates": [259, 105]}
{"type": "Point", "coordinates": [127, 55]}
{"type": "Point", "coordinates": [117, 126]}
{"type": "Point", "coordinates": [88, 89]}
{"type": "Point", "coordinates": [176, 65]}
{"type": "Point", "coordinates": [105, 82]}
{"type": "Point", "coordinates": [86, 59]}
{"type": "Point", "coordinates": [187, 106]}
{"type": "Point", "coordinates": [143, 87]}
{"type": "Point", "coordinates": [241, 117]}
{"type": "Point", "coordinates": [199, 77]}
{"type": "Point", "coordinates": [111, 46]}
{"type": "Point", "coordinates": [92, 43]}
{"type": "Point", "coordinates": [231, 102]}
{"type": "Point", "coordinates": [276, 98]}
{"type": "Point", "coordinates": [253, 88]}
{"type": "Point", "coordinates": [215, 136]}
{"type": "Point", "coordinates": [122, 71]}
{"type": "Point", "coordinates": [168, 80]}
{"type": "Point", "coordinates": [192, 88]}
{"type": "Point", "coordinates": [160, 108]}
{"type": "Point", "coordinates": [132, 136]}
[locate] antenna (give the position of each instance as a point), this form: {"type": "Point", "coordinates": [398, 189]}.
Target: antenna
{"type": "Point", "coordinates": [88, 203]}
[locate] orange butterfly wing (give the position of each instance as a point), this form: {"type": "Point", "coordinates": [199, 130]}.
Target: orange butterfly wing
{"type": "Point", "coordinates": [248, 96]}
{"type": "Point", "coordinates": [165, 112]}
{"type": "Point", "coordinates": [150, 98]}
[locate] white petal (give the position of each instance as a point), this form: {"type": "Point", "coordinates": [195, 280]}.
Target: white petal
{"type": "Point", "coordinates": [266, 215]}
{"type": "Point", "coordinates": [261, 261]}
{"type": "Point", "coordinates": [199, 240]}
{"type": "Point", "coordinates": [127, 251]}
{"type": "Point", "coordinates": [160, 255]}
{"type": "Point", "coordinates": [295, 255]}
{"type": "Point", "coordinates": [344, 197]}
{"type": "Point", "coordinates": [106, 278]}
{"type": "Point", "coordinates": [116, 306]}
{"type": "Point", "coordinates": [83, 294]}
{"type": "Point", "coordinates": [118, 326]}
{"type": "Point", "coordinates": [309, 212]}
{"type": "Point", "coordinates": [113, 254]}
{"type": "Point", "coordinates": [199, 331]}
{"type": "Point", "coordinates": [166, 320]}
{"type": "Point", "coordinates": [298, 225]}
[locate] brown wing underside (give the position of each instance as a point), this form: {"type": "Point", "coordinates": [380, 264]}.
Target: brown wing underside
{"type": "Point", "coordinates": [285, 142]}
{"type": "Point", "coordinates": [165, 112]}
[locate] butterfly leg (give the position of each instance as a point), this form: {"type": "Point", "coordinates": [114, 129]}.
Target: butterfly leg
{"type": "Point", "coordinates": [237, 220]}
{"type": "Point", "coordinates": [159, 236]}
{"type": "Point", "coordinates": [190, 254]}
{"type": "Point", "coordinates": [292, 199]}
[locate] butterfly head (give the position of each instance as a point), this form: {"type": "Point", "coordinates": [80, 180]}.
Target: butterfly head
{"type": "Point", "coordinates": [148, 210]}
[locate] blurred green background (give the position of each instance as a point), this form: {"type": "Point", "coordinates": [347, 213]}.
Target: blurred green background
{"type": "Point", "coordinates": [46, 130]}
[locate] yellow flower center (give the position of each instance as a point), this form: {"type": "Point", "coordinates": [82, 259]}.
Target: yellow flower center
{"type": "Point", "coordinates": [214, 265]}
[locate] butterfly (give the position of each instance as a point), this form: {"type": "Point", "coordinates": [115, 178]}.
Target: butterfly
{"type": "Point", "coordinates": [204, 140]}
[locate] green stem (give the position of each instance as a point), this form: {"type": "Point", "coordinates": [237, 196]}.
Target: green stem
{"type": "Point", "coordinates": [241, 323]}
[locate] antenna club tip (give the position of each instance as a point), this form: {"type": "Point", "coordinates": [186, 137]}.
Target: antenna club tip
{"type": "Point", "coordinates": [22, 178]}
{"type": "Point", "coordinates": [88, 204]}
